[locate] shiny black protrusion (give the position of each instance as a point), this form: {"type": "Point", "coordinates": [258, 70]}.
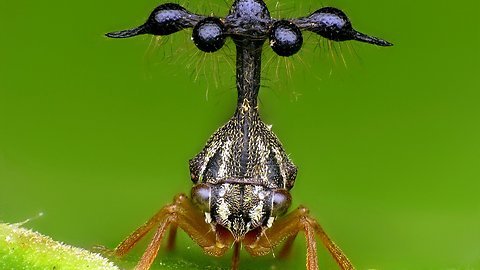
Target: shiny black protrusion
{"type": "Point", "coordinates": [285, 38]}
{"type": "Point", "coordinates": [209, 34]}
{"type": "Point", "coordinates": [248, 19]}
{"type": "Point", "coordinates": [128, 33]}
{"type": "Point", "coordinates": [164, 20]}
{"type": "Point", "coordinates": [333, 24]}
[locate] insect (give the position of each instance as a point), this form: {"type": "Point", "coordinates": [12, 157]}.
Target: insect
{"type": "Point", "coordinates": [242, 177]}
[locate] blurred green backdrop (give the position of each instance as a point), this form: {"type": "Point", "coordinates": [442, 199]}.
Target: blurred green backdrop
{"type": "Point", "coordinates": [97, 133]}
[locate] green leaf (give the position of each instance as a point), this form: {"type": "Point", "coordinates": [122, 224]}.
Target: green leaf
{"type": "Point", "coordinates": [21, 248]}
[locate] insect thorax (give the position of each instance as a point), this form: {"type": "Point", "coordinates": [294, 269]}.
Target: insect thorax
{"type": "Point", "coordinates": [244, 150]}
{"type": "Point", "coordinates": [246, 170]}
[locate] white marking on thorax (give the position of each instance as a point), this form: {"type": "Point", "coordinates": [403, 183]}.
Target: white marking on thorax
{"type": "Point", "coordinates": [258, 190]}
{"type": "Point", "coordinates": [226, 155]}
{"type": "Point", "coordinates": [256, 213]}
{"type": "Point", "coordinates": [223, 210]}
{"type": "Point", "coordinates": [270, 221]}
{"type": "Point", "coordinates": [262, 150]}
{"type": "Point", "coordinates": [223, 189]}
{"type": "Point", "coordinates": [281, 164]}
{"type": "Point", "coordinates": [208, 218]}
{"type": "Point", "coordinates": [245, 105]}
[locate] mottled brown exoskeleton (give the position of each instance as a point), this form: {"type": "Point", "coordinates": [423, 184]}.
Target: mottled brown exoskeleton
{"type": "Point", "coordinates": [243, 176]}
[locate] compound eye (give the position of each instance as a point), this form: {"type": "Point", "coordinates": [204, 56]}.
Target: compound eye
{"type": "Point", "coordinates": [209, 34]}
{"type": "Point", "coordinates": [285, 38]}
{"type": "Point", "coordinates": [201, 195]}
{"type": "Point", "coordinates": [281, 201]}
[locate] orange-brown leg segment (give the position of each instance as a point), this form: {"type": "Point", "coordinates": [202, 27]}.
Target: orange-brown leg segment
{"type": "Point", "coordinates": [172, 236]}
{"type": "Point", "coordinates": [287, 227]}
{"type": "Point", "coordinates": [287, 247]}
{"type": "Point", "coordinates": [181, 213]}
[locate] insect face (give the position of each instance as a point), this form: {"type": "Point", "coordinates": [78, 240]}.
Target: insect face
{"type": "Point", "coordinates": [240, 208]}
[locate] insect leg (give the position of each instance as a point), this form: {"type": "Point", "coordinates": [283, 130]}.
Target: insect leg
{"type": "Point", "coordinates": [172, 236]}
{"type": "Point", "coordinates": [181, 213]}
{"type": "Point", "coordinates": [287, 228]}
{"type": "Point", "coordinates": [287, 247]}
{"type": "Point", "coordinates": [334, 250]}
{"type": "Point", "coordinates": [126, 245]}
{"type": "Point", "coordinates": [152, 249]}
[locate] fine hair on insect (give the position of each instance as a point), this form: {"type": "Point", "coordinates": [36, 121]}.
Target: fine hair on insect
{"type": "Point", "coordinates": [216, 70]}
{"type": "Point", "coordinates": [241, 179]}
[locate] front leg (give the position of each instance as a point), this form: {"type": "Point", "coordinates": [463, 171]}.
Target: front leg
{"type": "Point", "coordinates": [289, 226]}
{"type": "Point", "coordinates": [183, 214]}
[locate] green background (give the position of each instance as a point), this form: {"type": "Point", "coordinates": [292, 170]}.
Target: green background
{"type": "Point", "coordinates": [96, 133]}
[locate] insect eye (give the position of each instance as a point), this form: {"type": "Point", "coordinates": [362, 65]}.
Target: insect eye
{"type": "Point", "coordinates": [281, 201]}
{"type": "Point", "coordinates": [201, 194]}
{"type": "Point", "coordinates": [285, 38]}
{"type": "Point", "coordinates": [209, 34]}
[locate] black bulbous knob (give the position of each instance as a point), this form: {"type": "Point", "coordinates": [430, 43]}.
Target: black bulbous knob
{"type": "Point", "coordinates": [285, 38]}
{"type": "Point", "coordinates": [164, 20]}
{"type": "Point", "coordinates": [167, 19]}
{"type": "Point", "coordinates": [333, 24]}
{"type": "Point", "coordinates": [209, 34]}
